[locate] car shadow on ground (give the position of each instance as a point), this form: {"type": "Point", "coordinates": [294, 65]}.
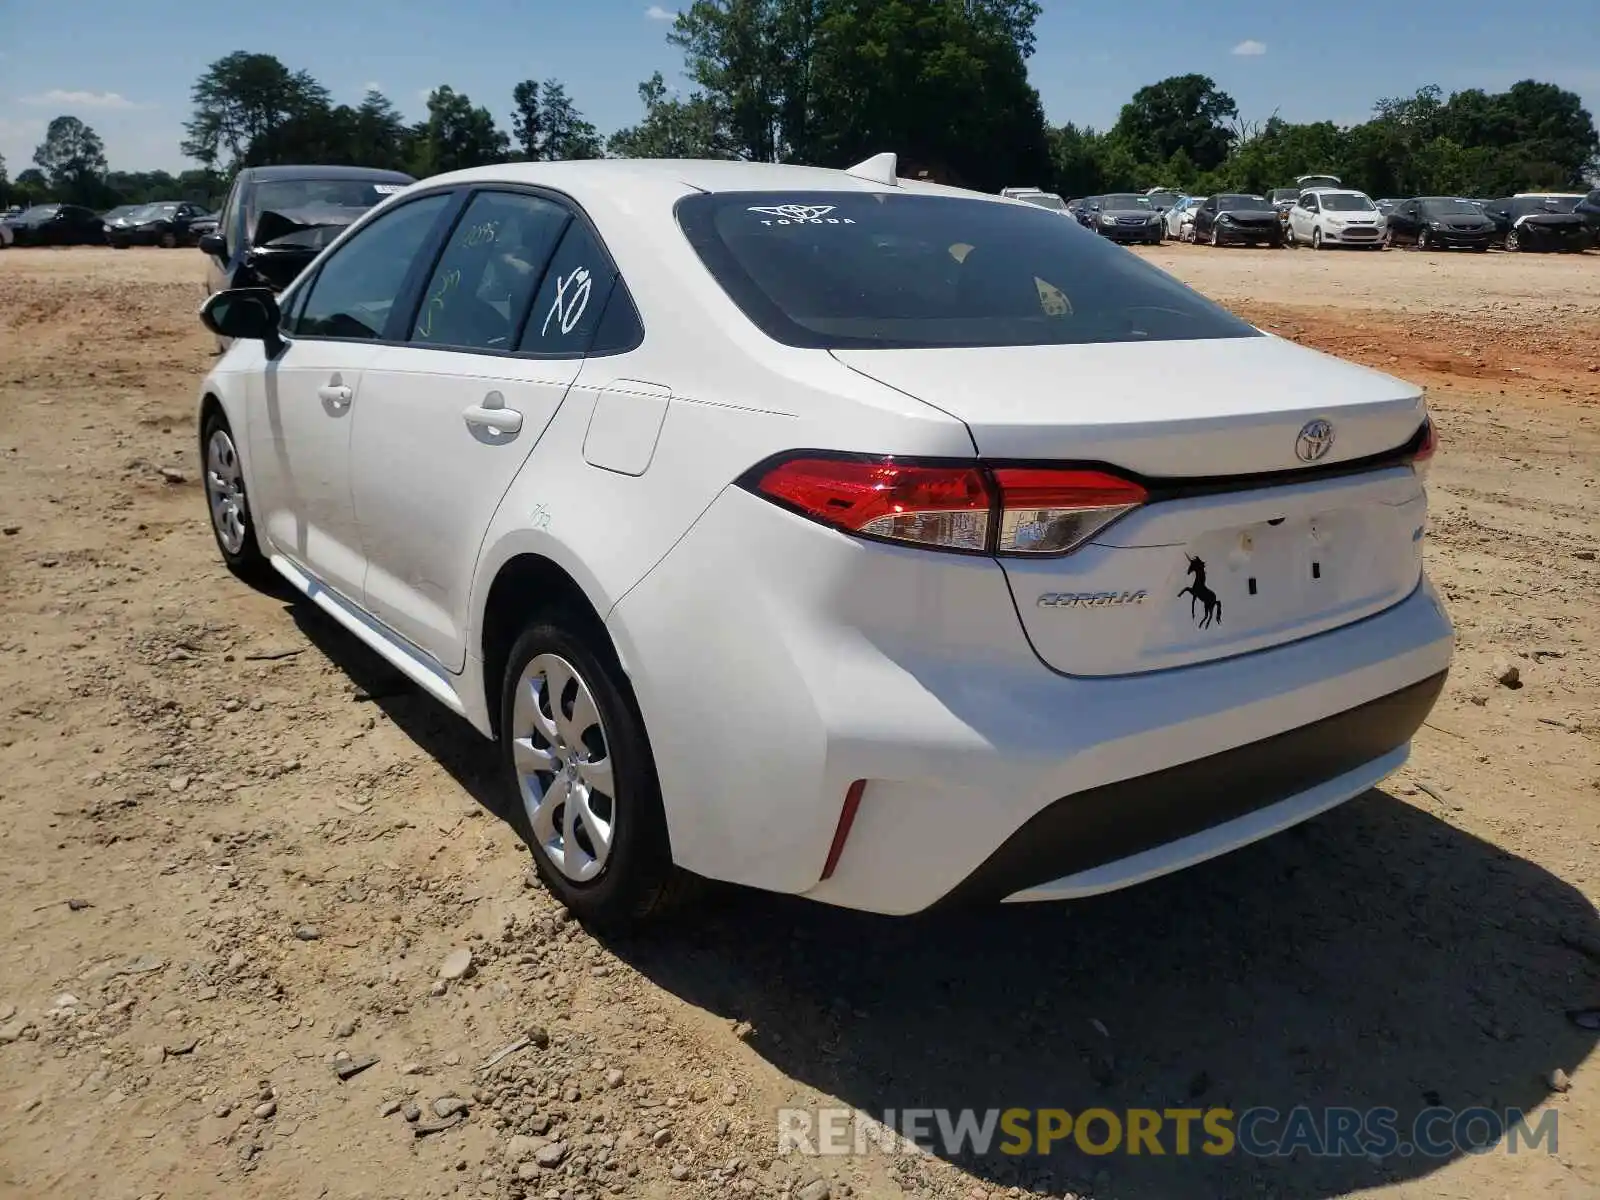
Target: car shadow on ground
{"type": "Point", "coordinates": [1376, 957]}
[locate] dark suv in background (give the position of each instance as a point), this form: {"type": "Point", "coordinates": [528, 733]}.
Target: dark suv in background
{"type": "Point", "coordinates": [277, 219]}
{"type": "Point", "coordinates": [1540, 221]}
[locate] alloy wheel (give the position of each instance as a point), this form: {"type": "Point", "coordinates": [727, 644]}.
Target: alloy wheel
{"type": "Point", "coordinates": [1424, 242]}
{"type": "Point", "coordinates": [225, 491]}
{"type": "Point", "coordinates": [562, 757]}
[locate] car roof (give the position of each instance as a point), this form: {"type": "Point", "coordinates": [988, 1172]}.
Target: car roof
{"type": "Point", "coordinates": [1334, 191]}
{"type": "Point", "coordinates": [269, 174]}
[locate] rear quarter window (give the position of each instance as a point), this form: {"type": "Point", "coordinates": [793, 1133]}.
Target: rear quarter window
{"type": "Point", "coordinates": [862, 270]}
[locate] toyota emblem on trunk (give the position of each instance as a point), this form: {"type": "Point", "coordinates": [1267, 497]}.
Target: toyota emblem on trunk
{"type": "Point", "coordinates": [1315, 440]}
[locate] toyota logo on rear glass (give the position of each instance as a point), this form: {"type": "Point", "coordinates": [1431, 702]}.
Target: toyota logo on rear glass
{"type": "Point", "coordinates": [1315, 440]}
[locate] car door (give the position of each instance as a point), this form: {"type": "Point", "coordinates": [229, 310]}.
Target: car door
{"type": "Point", "coordinates": [452, 415]}
{"type": "Point", "coordinates": [1204, 218]}
{"type": "Point", "coordinates": [300, 408]}
{"type": "Point", "coordinates": [1304, 217]}
{"type": "Point", "coordinates": [1404, 221]}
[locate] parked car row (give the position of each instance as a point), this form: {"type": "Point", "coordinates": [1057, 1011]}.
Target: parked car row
{"type": "Point", "coordinates": [168, 223]}
{"type": "Point", "coordinates": [1324, 215]}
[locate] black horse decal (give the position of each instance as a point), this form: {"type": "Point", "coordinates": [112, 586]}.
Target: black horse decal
{"type": "Point", "coordinates": [1199, 593]}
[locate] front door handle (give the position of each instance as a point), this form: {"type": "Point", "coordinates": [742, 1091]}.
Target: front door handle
{"type": "Point", "coordinates": [493, 414]}
{"type": "Point", "coordinates": [336, 393]}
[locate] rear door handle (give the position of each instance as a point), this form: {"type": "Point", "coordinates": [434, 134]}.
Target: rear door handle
{"type": "Point", "coordinates": [335, 393]}
{"type": "Point", "coordinates": [493, 414]}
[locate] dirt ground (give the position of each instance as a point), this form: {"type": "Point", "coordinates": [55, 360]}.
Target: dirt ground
{"type": "Point", "coordinates": [237, 846]}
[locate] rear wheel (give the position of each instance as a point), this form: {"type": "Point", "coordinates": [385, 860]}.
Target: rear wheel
{"type": "Point", "coordinates": [573, 745]}
{"type": "Point", "coordinates": [169, 241]}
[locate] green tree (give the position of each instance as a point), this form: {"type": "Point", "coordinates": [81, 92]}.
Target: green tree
{"type": "Point", "coordinates": [377, 135]}
{"type": "Point", "coordinates": [1077, 160]}
{"type": "Point", "coordinates": [456, 135]}
{"type": "Point", "coordinates": [672, 128]}
{"type": "Point", "coordinates": [548, 126]}
{"type": "Point", "coordinates": [943, 84]}
{"type": "Point", "coordinates": [73, 159]}
{"type": "Point", "coordinates": [1187, 112]}
{"type": "Point", "coordinates": [253, 109]}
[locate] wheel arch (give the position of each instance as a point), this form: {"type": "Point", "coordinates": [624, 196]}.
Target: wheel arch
{"type": "Point", "coordinates": [526, 584]}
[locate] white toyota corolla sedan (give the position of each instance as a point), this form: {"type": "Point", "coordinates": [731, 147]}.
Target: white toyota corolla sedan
{"type": "Point", "coordinates": [833, 533]}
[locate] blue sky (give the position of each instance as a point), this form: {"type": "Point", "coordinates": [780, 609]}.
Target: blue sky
{"type": "Point", "coordinates": [127, 69]}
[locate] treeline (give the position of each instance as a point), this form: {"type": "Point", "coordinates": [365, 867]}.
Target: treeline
{"type": "Point", "coordinates": [1184, 132]}
{"type": "Point", "coordinates": [944, 83]}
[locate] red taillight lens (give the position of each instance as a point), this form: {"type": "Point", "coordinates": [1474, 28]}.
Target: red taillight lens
{"type": "Point", "coordinates": [1048, 511]}
{"type": "Point", "coordinates": [956, 506]}
{"type": "Point", "coordinates": [1422, 459]}
{"type": "Point", "coordinates": [947, 507]}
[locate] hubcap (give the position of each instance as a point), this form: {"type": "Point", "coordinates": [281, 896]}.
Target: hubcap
{"type": "Point", "coordinates": [563, 763]}
{"type": "Point", "coordinates": [225, 490]}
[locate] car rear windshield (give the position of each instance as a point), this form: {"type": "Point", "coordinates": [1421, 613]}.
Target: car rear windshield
{"type": "Point", "coordinates": [1451, 208]}
{"type": "Point", "coordinates": [1124, 202]}
{"type": "Point", "coordinates": [1239, 203]}
{"type": "Point", "coordinates": [1346, 202]}
{"type": "Point", "coordinates": [854, 270]}
{"type": "Point", "coordinates": [1045, 200]}
{"type": "Point", "coordinates": [1281, 194]}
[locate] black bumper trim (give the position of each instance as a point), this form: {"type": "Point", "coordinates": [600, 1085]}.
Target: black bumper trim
{"type": "Point", "coordinates": [1117, 820]}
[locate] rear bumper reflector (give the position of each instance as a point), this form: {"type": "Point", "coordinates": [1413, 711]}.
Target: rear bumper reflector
{"type": "Point", "coordinates": [841, 833]}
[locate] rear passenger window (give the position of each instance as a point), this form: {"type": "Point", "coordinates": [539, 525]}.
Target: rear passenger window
{"type": "Point", "coordinates": [572, 298]}
{"type": "Point", "coordinates": [481, 286]}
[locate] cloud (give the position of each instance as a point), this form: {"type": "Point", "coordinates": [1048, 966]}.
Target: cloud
{"type": "Point", "coordinates": [1249, 48]}
{"type": "Point", "coordinates": [656, 13]}
{"type": "Point", "coordinates": [81, 99]}
{"type": "Point", "coordinates": [371, 85]}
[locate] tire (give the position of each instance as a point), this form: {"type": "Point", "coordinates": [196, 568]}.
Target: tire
{"type": "Point", "coordinates": [1316, 239]}
{"type": "Point", "coordinates": [1216, 238]}
{"type": "Point", "coordinates": [169, 241]}
{"type": "Point", "coordinates": [227, 502]}
{"type": "Point", "coordinates": [546, 742]}
{"type": "Point", "coordinates": [119, 245]}
{"type": "Point", "coordinates": [1288, 236]}
{"type": "Point", "coordinates": [1513, 242]}
{"type": "Point", "coordinates": [1424, 242]}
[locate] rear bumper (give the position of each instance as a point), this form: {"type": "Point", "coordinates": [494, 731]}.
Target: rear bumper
{"type": "Point", "coordinates": [1135, 829]}
{"type": "Point", "coordinates": [776, 662]}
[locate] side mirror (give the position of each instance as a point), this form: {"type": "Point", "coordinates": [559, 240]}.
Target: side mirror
{"type": "Point", "coordinates": [244, 313]}
{"type": "Point", "coordinates": [214, 244]}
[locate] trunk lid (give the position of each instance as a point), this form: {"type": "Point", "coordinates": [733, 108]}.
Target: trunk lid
{"type": "Point", "coordinates": [1221, 562]}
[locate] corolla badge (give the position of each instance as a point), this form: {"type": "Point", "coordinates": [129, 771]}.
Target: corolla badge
{"type": "Point", "coordinates": [1314, 440]}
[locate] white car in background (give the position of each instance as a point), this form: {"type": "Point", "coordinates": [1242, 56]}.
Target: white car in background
{"type": "Point", "coordinates": [1324, 217]}
{"type": "Point", "coordinates": [1178, 221]}
{"type": "Point", "coordinates": [832, 533]}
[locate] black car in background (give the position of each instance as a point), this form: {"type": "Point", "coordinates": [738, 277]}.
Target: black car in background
{"type": "Point", "coordinates": [1589, 209]}
{"type": "Point", "coordinates": [1124, 217]}
{"type": "Point", "coordinates": [112, 215]}
{"type": "Point", "coordinates": [1235, 218]}
{"type": "Point", "coordinates": [1540, 221]}
{"type": "Point", "coordinates": [165, 223]}
{"type": "Point", "coordinates": [56, 225]}
{"type": "Point", "coordinates": [1439, 223]}
{"type": "Point", "coordinates": [277, 219]}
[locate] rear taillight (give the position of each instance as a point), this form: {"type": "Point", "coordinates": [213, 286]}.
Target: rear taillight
{"type": "Point", "coordinates": [1046, 511]}
{"type": "Point", "coordinates": [944, 506]}
{"type": "Point", "coordinates": [1422, 457]}
{"type": "Point", "coordinates": [959, 506]}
